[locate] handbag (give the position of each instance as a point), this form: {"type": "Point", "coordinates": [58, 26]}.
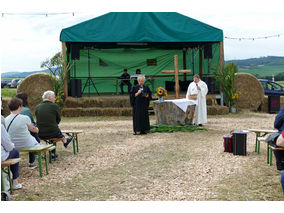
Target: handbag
{"type": "Point", "coordinates": [271, 139]}
{"type": "Point", "coordinates": [11, 122]}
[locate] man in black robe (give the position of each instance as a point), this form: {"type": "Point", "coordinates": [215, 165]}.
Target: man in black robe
{"type": "Point", "coordinates": [140, 97]}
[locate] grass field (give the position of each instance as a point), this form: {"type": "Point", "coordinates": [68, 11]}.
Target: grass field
{"type": "Point", "coordinates": [264, 70]}
{"type": "Point", "coordinates": [112, 164]}
{"type": "Point", "coordinates": [8, 92]}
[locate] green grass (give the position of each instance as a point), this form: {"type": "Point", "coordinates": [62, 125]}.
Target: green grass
{"type": "Point", "coordinates": [8, 92]}
{"type": "Point", "coordinates": [263, 71]}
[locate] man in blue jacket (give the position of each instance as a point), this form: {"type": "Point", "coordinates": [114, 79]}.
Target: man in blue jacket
{"type": "Point", "coordinates": [279, 120]}
{"type": "Point", "coordinates": [279, 154]}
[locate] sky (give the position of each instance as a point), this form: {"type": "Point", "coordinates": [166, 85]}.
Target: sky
{"type": "Point", "coordinates": [28, 36]}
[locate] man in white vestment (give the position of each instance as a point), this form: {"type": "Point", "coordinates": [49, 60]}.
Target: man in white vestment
{"type": "Point", "coordinates": [197, 90]}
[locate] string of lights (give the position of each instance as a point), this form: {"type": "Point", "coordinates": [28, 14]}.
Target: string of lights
{"type": "Point", "coordinates": [253, 38]}
{"type": "Point", "coordinates": [73, 14]}
{"type": "Point", "coordinates": [37, 14]}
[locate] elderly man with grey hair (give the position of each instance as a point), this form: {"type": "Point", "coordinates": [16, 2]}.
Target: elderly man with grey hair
{"type": "Point", "coordinates": [48, 117]}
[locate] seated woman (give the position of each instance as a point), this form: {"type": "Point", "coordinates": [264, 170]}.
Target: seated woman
{"type": "Point", "coordinates": [27, 111]}
{"type": "Point", "coordinates": [8, 151]}
{"type": "Point", "coordinates": [280, 142]}
{"type": "Point", "coordinates": [18, 127]}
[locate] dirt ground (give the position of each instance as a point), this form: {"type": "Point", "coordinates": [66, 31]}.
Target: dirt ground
{"type": "Point", "coordinates": [112, 164]}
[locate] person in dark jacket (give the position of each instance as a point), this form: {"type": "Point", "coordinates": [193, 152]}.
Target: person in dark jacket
{"type": "Point", "coordinates": [279, 120]}
{"type": "Point", "coordinates": [48, 117]}
{"type": "Point", "coordinates": [125, 81]}
{"type": "Point", "coordinates": [140, 97]}
{"type": "Point", "coordinates": [279, 125]}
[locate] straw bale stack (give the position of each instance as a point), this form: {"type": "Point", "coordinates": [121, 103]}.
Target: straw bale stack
{"type": "Point", "coordinates": [35, 85]}
{"type": "Point", "coordinates": [251, 91]}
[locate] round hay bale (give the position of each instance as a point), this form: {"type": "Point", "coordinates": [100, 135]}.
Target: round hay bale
{"type": "Point", "coordinates": [35, 85]}
{"type": "Point", "coordinates": [251, 91]}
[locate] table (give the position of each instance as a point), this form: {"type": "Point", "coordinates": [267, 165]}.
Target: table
{"type": "Point", "coordinates": [171, 112]}
{"type": "Point", "coordinates": [183, 103]}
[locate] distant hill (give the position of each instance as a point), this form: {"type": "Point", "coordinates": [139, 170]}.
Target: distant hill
{"type": "Point", "coordinates": [264, 67]}
{"type": "Point", "coordinates": [262, 61]}
{"type": "Point", "coordinates": [20, 74]}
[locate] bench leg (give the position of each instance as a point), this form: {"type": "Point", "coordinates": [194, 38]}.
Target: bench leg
{"type": "Point", "coordinates": [270, 156]}
{"type": "Point", "coordinates": [9, 177]}
{"type": "Point", "coordinates": [267, 153]}
{"type": "Point", "coordinates": [77, 143]}
{"type": "Point", "coordinates": [46, 163]}
{"type": "Point", "coordinates": [39, 164]}
{"type": "Point", "coordinates": [50, 156]}
{"type": "Point", "coordinates": [10, 180]}
{"type": "Point", "coordinates": [74, 144]}
{"type": "Point", "coordinates": [257, 135]}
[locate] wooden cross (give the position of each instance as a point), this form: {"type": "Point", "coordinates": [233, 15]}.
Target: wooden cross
{"type": "Point", "coordinates": [176, 71]}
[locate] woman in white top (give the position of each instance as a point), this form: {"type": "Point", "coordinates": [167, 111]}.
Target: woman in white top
{"type": "Point", "coordinates": [18, 127]}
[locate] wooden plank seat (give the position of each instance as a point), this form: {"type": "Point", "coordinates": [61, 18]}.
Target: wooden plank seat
{"type": "Point", "coordinates": [74, 134]}
{"type": "Point", "coordinates": [6, 164]}
{"type": "Point", "coordinates": [270, 148]}
{"type": "Point", "coordinates": [41, 151]}
{"type": "Point", "coordinates": [260, 134]}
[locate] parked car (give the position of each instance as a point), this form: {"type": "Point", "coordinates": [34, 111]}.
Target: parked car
{"type": "Point", "coordinates": [18, 83]}
{"type": "Point", "coordinates": [271, 87]}
{"type": "Point", "coordinates": [13, 83]}
{"type": "Point", "coordinates": [4, 83]}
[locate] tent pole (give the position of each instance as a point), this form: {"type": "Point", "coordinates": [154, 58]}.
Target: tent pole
{"type": "Point", "coordinates": [200, 62]}
{"type": "Point", "coordinates": [65, 89]}
{"type": "Point", "coordinates": [221, 56]}
{"type": "Point", "coordinates": [184, 62]}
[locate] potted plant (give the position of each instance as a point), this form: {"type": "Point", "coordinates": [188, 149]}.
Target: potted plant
{"type": "Point", "coordinates": [227, 82]}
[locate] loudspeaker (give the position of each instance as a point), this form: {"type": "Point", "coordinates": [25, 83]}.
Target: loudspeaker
{"type": "Point", "coordinates": [208, 51]}
{"type": "Point", "coordinates": [170, 85]}
{"type": "Point", "coordinates": [273, 103]}
{"type": "Point", "coordinates": [184, 85]}
{"type": "Point", "coordinates": [75, 52]}
{"type": "Point", "coordinates": [76, 88]}
{"type": "Point", "coordinates": [211, 84]}
{"type": "Point", "coordinates": [239, 142]}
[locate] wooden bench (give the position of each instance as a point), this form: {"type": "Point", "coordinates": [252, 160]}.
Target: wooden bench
{"type": "Point", "coordinates": [270, 148]}
{"type": "Point", "coordinates": [260, 133]}
{"type": "Point", "coordinates": [74, 134]}
{"type": "Point", "coordinates": [7, 164]}
{"type": "Point", "coordinates": [41, 151]}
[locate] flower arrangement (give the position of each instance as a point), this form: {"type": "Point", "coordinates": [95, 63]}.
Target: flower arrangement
{"type": "Point", "coordinates": [60, 99]}
{"type": "Point", "coordinates": [234, 98]}
{"type": "Point", "coordinates": [161, 92]}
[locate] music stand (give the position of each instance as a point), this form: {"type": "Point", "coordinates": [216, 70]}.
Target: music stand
{"type": "Point", "coordinates": [90, 81]}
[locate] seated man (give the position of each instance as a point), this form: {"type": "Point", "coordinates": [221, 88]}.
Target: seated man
{"type": "Point", "coordinates": [126, 76]}
{"type": "Point", "coordinates": [48, 117]}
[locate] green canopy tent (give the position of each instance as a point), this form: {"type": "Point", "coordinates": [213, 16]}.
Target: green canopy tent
{"type": "Point", "coordinates": [102, 47]}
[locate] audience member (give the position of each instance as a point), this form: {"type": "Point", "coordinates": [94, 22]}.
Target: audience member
{"type": "Point", "coordinates": [8, 151]}
{"type": "Point", "coordinates": [18, 127]}
{"type": "Point", "coordinates": [48, 117]}
{"type": "Point", "coordinates": [279, 125]}
{"type": "Point", "coordinates": [27, 111]}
